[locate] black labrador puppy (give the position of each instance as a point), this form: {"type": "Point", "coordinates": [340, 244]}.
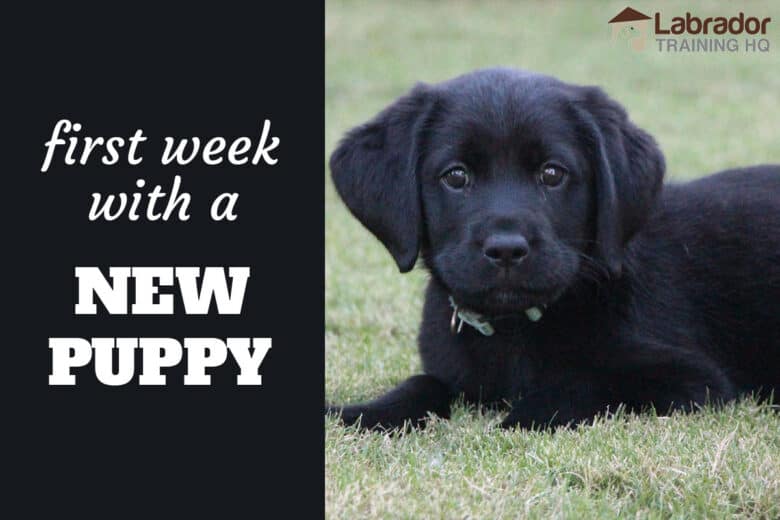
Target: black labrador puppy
{"type": "Point", "coordinates": [565, 278]}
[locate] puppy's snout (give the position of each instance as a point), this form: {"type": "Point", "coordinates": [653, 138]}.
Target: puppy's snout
{"type": "Point", "coordinates": [506, 249]}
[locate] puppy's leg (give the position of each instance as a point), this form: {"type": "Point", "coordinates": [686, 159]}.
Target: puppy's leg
{"type": "Point", "coordinates": [673, 381]}
{"type": "Point", "coordinates": [410, 401]}
{"type": "Point", "coordinates": [580, 399]}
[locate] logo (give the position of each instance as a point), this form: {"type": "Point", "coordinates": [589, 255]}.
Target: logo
{"type": "Point", "coordinates": [691, 33]}
{"type": "Point", "coordinates": [632, 27]}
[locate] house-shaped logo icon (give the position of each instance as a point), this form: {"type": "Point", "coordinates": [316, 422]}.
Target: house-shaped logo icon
{"type": "Point", "coordinates": [632, 27]}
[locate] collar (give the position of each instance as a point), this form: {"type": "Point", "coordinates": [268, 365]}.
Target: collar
{"type": "Point", "coordinates": [461, 315]}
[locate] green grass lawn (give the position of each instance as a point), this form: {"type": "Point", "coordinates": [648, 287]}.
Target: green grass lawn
{"type": "Point", "coordinates": [708, 112]}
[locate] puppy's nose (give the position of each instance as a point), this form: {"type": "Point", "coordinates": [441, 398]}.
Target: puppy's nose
{"type": "Point", "coordinates": [506, 249]}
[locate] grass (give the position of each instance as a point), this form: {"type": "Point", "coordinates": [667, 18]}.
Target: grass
{"type": "Point", "coordinates": [708, 112]}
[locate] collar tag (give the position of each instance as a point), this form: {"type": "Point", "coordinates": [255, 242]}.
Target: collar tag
{"type": "Point", "coordinates": [479, 322]}
{"type": "Point", "coordinates": [474, 319]}
{"type": "Point", "coordinates": [533, 313]}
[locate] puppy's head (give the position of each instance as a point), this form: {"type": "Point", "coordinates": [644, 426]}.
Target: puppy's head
{"type": "Point", "coordinates": [511, 184]}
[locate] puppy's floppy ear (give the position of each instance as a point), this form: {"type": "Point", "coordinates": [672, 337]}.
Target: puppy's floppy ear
{"type": "Point", "coordinates": [629, 169]}
{"type": "Point", "coordinates": [374, 171]}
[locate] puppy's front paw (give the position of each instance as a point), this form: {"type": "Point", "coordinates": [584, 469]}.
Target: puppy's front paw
{"type": "Point", "coordinates": [345, 415]}
{"type": "Point", "coordinates": [518, 419]}
{"type": "Point", "coordinates": [530, 415]}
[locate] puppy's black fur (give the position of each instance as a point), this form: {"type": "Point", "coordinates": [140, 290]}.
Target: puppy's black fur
{"type": "Point", "coordinates": [519, 191]}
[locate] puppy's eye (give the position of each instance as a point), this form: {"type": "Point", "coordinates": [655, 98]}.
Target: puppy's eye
{"type": "Point", "coordinates": [455, 178]}
{"type": "Point", "coordinates": [552, 175]}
